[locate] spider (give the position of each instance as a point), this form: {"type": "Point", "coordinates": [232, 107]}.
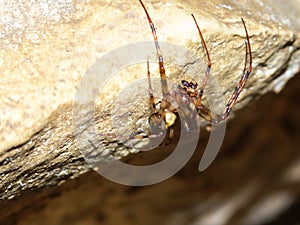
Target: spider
{"type": "Point", "coordinates": [163, 117]}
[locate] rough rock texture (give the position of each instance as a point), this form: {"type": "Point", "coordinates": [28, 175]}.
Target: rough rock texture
{"type": "Point", "coordinates": [47, 47]}
{"type": "Point", "coordinates": [255, 180]}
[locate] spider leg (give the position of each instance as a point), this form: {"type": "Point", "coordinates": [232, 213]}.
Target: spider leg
{"type": "Point", "coordinates": [155, 120]}
{"type": "Point", "coordinates": [205, 79]}
{"type": "Point", "coordinates": [204, 112]}
{"type": "Point", "coordinates": [151, 90]}
{"type": "Point", "coordinates": [164, 83]}
{"type": "Point", "coordinates": [246, 72]}
{"type": "Point", "coordinates": [152, 119]}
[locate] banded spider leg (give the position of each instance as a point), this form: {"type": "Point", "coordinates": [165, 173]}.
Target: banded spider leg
{"type": "Point", "coordinates": [204, 111]}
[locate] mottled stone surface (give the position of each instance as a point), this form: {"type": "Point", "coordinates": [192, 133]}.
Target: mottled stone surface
{"type": "Point", "coordinates": [48, 46]}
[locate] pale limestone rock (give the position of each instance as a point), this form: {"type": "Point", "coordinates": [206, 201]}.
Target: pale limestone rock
{"type": "Point", "coordinates": [48, 46]}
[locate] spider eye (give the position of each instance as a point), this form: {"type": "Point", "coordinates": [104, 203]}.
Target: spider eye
{"type": "Point", "coordinates": [185, 83]}
{"type": "Point", "coordinates": [193, 85]}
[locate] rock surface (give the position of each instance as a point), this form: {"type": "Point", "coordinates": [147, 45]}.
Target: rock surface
{"type": "Point", "coordinates": [255, 180]}
{"type": "Point", "coordinates": [48, 46]}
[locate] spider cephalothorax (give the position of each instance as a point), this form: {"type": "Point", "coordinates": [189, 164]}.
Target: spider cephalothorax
{"type": "Point", "coordinates": [190, 87]}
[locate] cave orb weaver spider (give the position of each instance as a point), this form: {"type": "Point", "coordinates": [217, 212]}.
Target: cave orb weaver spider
{"type": "Point", "coordinates": [164, 116]}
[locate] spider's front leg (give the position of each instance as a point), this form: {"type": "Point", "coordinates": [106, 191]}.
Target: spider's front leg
{"type": "Point", "coordinates": [164, 117]}
{"type": "Point", "coordinates": [164, 83]}
{"type": "Point", "coordinates": [191, 88]}
{"type": "Point", "coordinates": [204, 82]}
{"type": "Point", "coordinates": [204, 111]}
{"type": "Point", "coordinates": [160, 122]}
{"type": "Point", "coordinates": [246, 73]}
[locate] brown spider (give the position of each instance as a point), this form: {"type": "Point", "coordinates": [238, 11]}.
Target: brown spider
{"type": "Point", "coordinates": [164, 116]}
